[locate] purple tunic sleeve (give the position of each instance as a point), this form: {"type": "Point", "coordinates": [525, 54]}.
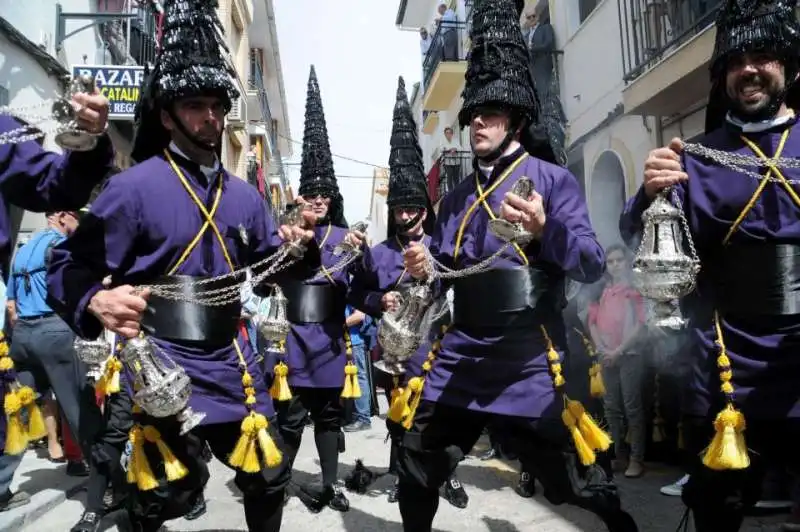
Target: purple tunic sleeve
{"type": "Point", "coordinates": [364, 293]}
{"type": "Point", "coordinates": [102, 244]}
{"type": "Point", "coordinates": [568, 240]}
{"type": "Point", "coordinates": [38, 180]}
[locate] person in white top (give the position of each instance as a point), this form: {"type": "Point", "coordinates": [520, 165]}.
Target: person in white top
{"type": "Point", "coordinates": [446, 155]}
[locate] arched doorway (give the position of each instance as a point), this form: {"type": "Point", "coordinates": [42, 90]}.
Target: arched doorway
{"type": "Point", "coordinates": [607, 197]}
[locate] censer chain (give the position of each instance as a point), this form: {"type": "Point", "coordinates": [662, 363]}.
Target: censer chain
{"type": "Point", "coordinates": [741, 162]}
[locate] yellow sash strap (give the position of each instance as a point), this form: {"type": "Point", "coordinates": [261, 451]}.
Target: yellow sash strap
{"type": "Point", "coordinates": [208, 216]}
{"type": "Point", "coordinates": [493, 216]}
{"type": "Point", "coordinates": [322, 266]}
{"type": "Point", "coordinates": [771, 169]}
{"type": "Point", "coordinates": [481, 197]}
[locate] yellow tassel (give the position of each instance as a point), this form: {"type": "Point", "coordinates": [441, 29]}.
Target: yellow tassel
{"type": "Point", "coordinates": [6, 364]}
{"type": "Point", "coordinates": [585, 453]}
{"type": "Point", "coordinates": [595, 437]}
{"type": "Point", "coordinates": [280, 390]}
{"type": "Point", "coordinates": [16, 436]}
{"type": "Point", "coordinates": [272, 455]}
{"type": "Point", "coordinates": [113, 368]}
{"type": "Point", "coordinates": [3, 347]}
{"type": "Point", "coordinates": [415, 384]}
{"type": "Point", "coordinates": [399, 408]}
{"type": "Point", "coordinates": [727, 450]}
{"type": "Point", "coordinates": [597, 387]}
{"type": "Point", "coordinates": [36, 427]}
{"type": "Point", "coordinates": [173, 467]}
{"type": "Point", "coordinates": [244, 455]}
{"type": "Point", "coordinates": [348, 391]}
{"type": "Point", "coordinates": [100, 386]}
{"type": "Point", "coordinates": [139, 467]}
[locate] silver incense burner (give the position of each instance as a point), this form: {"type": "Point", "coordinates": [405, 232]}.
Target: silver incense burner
{"type": "Point", "coordinates": [400, 331]}
{"type": "Point", "coordinates": [161, 387]}
{"type": "Point", "coordinates": [69, 135]}
{"type": "Point", "coordinates": [94, 354]}
{"type": "Point", "coordinates": [344, 247]}
{"type": "Point", "coordinates": [514, 232]}
{"type": "Point", "coordinates": [274, 326]}
{"type": "Point", "coordinates": [663, 270]}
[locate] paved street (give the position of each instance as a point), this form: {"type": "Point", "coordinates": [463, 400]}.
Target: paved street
{"type": "Point", "coordinates": [493, 507]}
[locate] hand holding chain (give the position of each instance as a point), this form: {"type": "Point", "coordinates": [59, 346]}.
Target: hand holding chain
{"type": "Point", "coordinates": [68, 134]}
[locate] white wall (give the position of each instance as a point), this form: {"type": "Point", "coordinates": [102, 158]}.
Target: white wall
{"type": "Point", "coordinates": [591, 77]}
{"type": "Point", "coordinates": [36, 19]}
{"type": "Point", "coordinates": [27, 85]}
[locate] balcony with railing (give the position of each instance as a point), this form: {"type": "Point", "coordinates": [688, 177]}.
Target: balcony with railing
{"type": "Point", "coordinates": [666, 45]}
{"type": "Point", "coordinates": [130, 41]}
{"type": "Point", "coordinates": [258, 99]}
{"type": "Point", "coordinates": [447, 172]}
{"type": "Point", "coordinates": [444, 66]}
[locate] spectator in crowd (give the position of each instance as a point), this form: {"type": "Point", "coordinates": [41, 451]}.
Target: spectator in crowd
{"type": "Point", "coordinates": [616, 326]}
{"type": "Point", "coordinates": [363, 405]}
{"type": "Point", "coordinates": [446, 155]}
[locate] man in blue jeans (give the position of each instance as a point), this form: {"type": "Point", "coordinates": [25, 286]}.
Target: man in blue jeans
{"type": "Point", "coordinates": [363, 408]}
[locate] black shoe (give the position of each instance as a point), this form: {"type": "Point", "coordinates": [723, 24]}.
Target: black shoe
{"type": "Point", "coordinates": [77, 469]}
{"type": "Point", "coordinates": [488, 455]}
{"type": "Point", "coordinates": [526, 486]}
{"type": "Point", "coordinates": [197, 510]}
{"type": "Point", "coordinates": [9, 501]}
{"type": "Point", "coordinates": [455, 493]}
{"type": "Point", "coordinates": [90, 522]}
{"type": "Point", "coordinates": [357, 426]}
{"type": "Point", "coordinates": [392, 496]}
{"type": "Point", "coordinates": [316, 501]}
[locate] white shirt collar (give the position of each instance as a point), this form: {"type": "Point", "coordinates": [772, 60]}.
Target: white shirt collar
{"type": "Point", "coordinates": [207, 170]}
{"type": "Point", "coordinates": [756, 127]}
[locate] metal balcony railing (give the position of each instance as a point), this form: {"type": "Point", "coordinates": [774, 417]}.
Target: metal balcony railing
{"type": "Point", "coordinates": [255, 83]}
{"type": "Point", "coordinates": [651, 29]}
{"type": "Point", "coordinates": [131, 41]}
{"type": "Point", "coordinates": [448, 171]}
{"type": "Point", "coordinates": [447, 45]}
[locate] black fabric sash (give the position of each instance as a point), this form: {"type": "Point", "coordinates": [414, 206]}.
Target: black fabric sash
{"type": "Point", "coordinates": [308, 303]}
{"type": "Point", "coordinates": [182, 321]}
{"type": "Point", "coordinates": [497, 298]}
{"type": "Point", "coordinates": [761, 279]}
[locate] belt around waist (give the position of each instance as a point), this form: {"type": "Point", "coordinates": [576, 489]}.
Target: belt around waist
{"type": "Point", "coordinates": [314, 303]}
{"type": "Point", "coordinates": [498, 298]}
{"type": "Point", "coordinates": [187, 322]}
{"type": "Point", "coordinates": [757, 279]}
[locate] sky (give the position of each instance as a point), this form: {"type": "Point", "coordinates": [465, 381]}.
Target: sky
{"type": "Point", "coordinates": [358, 53]}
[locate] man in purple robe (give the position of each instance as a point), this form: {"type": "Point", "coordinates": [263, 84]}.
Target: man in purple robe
{"type": "Point", "coordinates": [744, 315]}
{"type": "Point", "coordinates": [315, 350]}
{"type": "Point", "coordinates": [39, 181]}
{"type": "Point", "coordinates": [382, 277]}
{"type": "Point", "coordinates": [501, 357]}
{"type": "Point", "coordinates": [176, 218]}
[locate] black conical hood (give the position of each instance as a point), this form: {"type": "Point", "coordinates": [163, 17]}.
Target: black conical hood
{"type": "Point", "coordinates": [407, 180]}
{"type": "Point", "coordinates": [191, 62]}
{"type": "Point", "coordinates": [499, 75]}
{"type": "Point", "coordinates": [317, 176]}
{"type": "Point", "coordinates": [753, 26]}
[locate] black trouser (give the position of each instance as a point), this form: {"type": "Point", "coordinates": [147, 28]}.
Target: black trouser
{"type": "Point", "coordinates": [262, 492]}
{"type": "Point", "coordinates": [442, 435]}
{"type": "Point", "coordinates": [324, 405]}
{"type": "Point", "coordinates": [45, 358]}
{"type": "Point", "coordinates": [104, 461]}
{"type": "Point", "coordinates": [718, 499]}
